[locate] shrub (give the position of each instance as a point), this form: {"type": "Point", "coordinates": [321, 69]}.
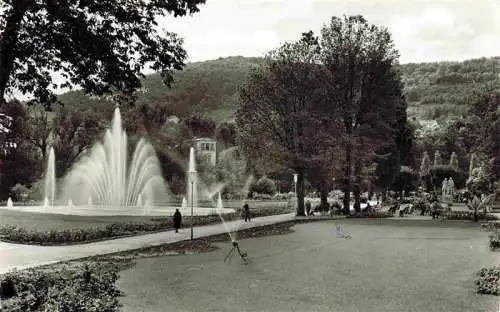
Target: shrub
{"type": "Point", "coordinates": [469, 215]}
{"type": "Point", "coordinates": [84, 287]}
{"type": "Point", "coordinates": [264, 186]}
{"type": "Point", "coordinates": [494, 240]}
{"type": "Point", "coordinates": [373, 214]}
{"type": "Point", "coordinates": [490, 226]}
{"type": "Point", "coordinates": [488, 281]}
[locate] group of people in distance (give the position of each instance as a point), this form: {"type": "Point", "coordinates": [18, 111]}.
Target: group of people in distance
{"type": "Point", "coordinates": [177, 218]}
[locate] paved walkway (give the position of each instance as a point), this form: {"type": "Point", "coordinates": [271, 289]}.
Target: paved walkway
{"type": "Point", "coordinates": [17, 256]}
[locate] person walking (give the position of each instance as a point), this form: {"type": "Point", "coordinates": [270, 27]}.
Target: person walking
{"type": "Point", "coordinates": [177, 220]}
{"type": "Point", "coordinates": [308, 207]}
{"type": "Point", "coordinates": [246, 212]}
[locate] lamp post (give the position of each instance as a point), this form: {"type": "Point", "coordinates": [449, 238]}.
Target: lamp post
{"type": "Point", "coordinates": [192, 177]}
{"type": "Point", "coordinates": [295, 179]}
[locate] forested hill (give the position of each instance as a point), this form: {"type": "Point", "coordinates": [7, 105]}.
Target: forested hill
{"type": "Point", "coordinates": [434, 90]}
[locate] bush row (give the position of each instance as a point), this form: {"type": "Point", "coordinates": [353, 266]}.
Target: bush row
{"type": "Point", "coordinates": [469, 215]}
{"type": "Point", "coordinates": [76, 287]}
{"type": "Point", "coordinates": [75, 236]}
{"type": "Point", "coordinates": [372, 214]}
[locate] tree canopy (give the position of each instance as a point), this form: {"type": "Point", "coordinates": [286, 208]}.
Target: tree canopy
{"type": "Point", "coordinates": [101, 46]}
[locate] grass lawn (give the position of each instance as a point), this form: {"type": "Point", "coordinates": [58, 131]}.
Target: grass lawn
{"type": "Point", "coordinates": [387, 266]}
{"type": "Point", "coordinates": [44, 221]}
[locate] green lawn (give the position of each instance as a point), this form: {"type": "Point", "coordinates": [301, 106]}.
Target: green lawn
{"type": "Point", "coordinates": [42, 221]}
{"type": "Point", "coordinates": [387, 266]}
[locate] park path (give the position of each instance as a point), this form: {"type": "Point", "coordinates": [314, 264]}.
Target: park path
{"type": "Point", "coordinates": [18, 256]}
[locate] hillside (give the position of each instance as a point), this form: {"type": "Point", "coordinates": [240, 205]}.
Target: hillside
{"type": "Point", "coordinates": [433, 90]}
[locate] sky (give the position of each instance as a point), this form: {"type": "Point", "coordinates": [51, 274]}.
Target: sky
{"type": "Point", "coordinates": [422, 30]}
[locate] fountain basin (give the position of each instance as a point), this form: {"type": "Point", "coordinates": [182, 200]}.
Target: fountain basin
{"type": "Point", "coordinates": [96, 210]}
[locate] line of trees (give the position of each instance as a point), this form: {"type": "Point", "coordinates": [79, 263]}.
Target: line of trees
{"type": "Point", "coordinates": [328, 105]}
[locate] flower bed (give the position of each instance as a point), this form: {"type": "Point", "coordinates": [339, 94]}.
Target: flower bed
{"type": "Point", "coordinates": [75, 287]}
{"type": "Point", "coordinates": [115, 230]}
{"type": "Point", "coordinates": [488, 281]}
{"type": "Point", "coordinates": [374, 214]}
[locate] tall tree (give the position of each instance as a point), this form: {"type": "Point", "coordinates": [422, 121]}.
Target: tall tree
{"type": "Point", "coordinates": [279, 121]}
{"type": "Point", "coordinates": [367, 90]}
{"type": "Point", "coordinates": [454, 161]}
{"type": "Point", "coordinates": [20, 161]}
{"type": "Point", "coordinates": [438, 160]}
{"type": "Point", "coordinates": [74, 133]}
{"type": "Point", "coordinates": [101, 46]}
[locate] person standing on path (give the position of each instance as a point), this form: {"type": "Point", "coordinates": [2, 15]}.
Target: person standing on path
{"type": "Point", "coordinates": [246, 212]}
{"type": "Point", "coordinates": [177, 220]}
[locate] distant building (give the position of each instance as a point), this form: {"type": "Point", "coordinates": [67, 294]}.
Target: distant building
{"type": "Point", "coordinates": [206, 148]}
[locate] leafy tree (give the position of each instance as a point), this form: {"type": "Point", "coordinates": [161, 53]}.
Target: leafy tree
{"type": "Point", "coordinates": [101, 46]}
{"type": "Point", "coordinates": [74, 133]}
{"type": "Point", "coordinates": [478, 182]}
{"type": "Point", "coordinates": [472, 163]}
{"type": "Point", "coordinates": [454, 161]}
{"type": "Point", "coordinates": [278, 121]}
{"type": "Point", "coordinates": [226, 134]}
{"type": "Point", "coordinates": [425, 166]}
{"type": "Point", "coordinates": [196, 126]}
{"type": "Point", "coordinates": [367, 90]}
{"type": "Point", "coordinates": [232, 170]}
{"type": "Point", "coordinates": [40, 127]}
{"type": "Point", "coordinates": [406, 180]}
{"type": "Point", "coordinates": [388, 166]}
{"type": "Point", "coordinates": [438, 160]}
{"type": "Point", "coordinates": [20, 162]}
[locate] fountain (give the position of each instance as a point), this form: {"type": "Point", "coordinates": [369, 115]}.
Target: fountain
{"type": "Point", "coordinates": [191, 180]}
{"type": "Point", "coordinates": [139, 201]}
{"type": "Point", "coordinates": [113, 179]}
{"type": "Point", "coordinates": [219, 208]}
{"type": "Point", "coordinates": [50, 178]}
{"type": "Point", "coordinates": [184, 205]}
{"type": "Point", "coordinates": [110, 178]}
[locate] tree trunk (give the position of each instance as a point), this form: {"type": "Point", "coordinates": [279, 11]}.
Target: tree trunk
{"type": "Point", "coordinates": [8, 43]}
{"type": "Point", "coordinates": [347, 180]}
{"type": "Point", "coordinates": [300, 194]}
{"type": "Point", "coordinates": [324, 194]}
{"type": "Point", "coordinates": [357, 187]}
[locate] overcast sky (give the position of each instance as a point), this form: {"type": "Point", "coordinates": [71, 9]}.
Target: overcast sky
{"type": "Point", "coordinates": [422, 30]}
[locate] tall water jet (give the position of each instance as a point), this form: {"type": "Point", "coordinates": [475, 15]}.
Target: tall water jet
{"type": "Point", "coordinates": [192, 180]}
{"type": "Point", "coordinates": [70, 203]}
{"type": "Point", "coordinates": [184, 205]}
{"type": "Point", "coordinates": [50, 177]}
{"type": "Point", "coordinates": [9, 203]}
{"type": "Point", "coordinates": [139, 201]}
{"type": "Point", "coordinates": [220, 208]}
{"type": "Point", "coordinates": [46, 202]}
{"type": "Point", "coordinates": [111, 180]}
{"type": "Point", "coordinates": [89, 201]}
